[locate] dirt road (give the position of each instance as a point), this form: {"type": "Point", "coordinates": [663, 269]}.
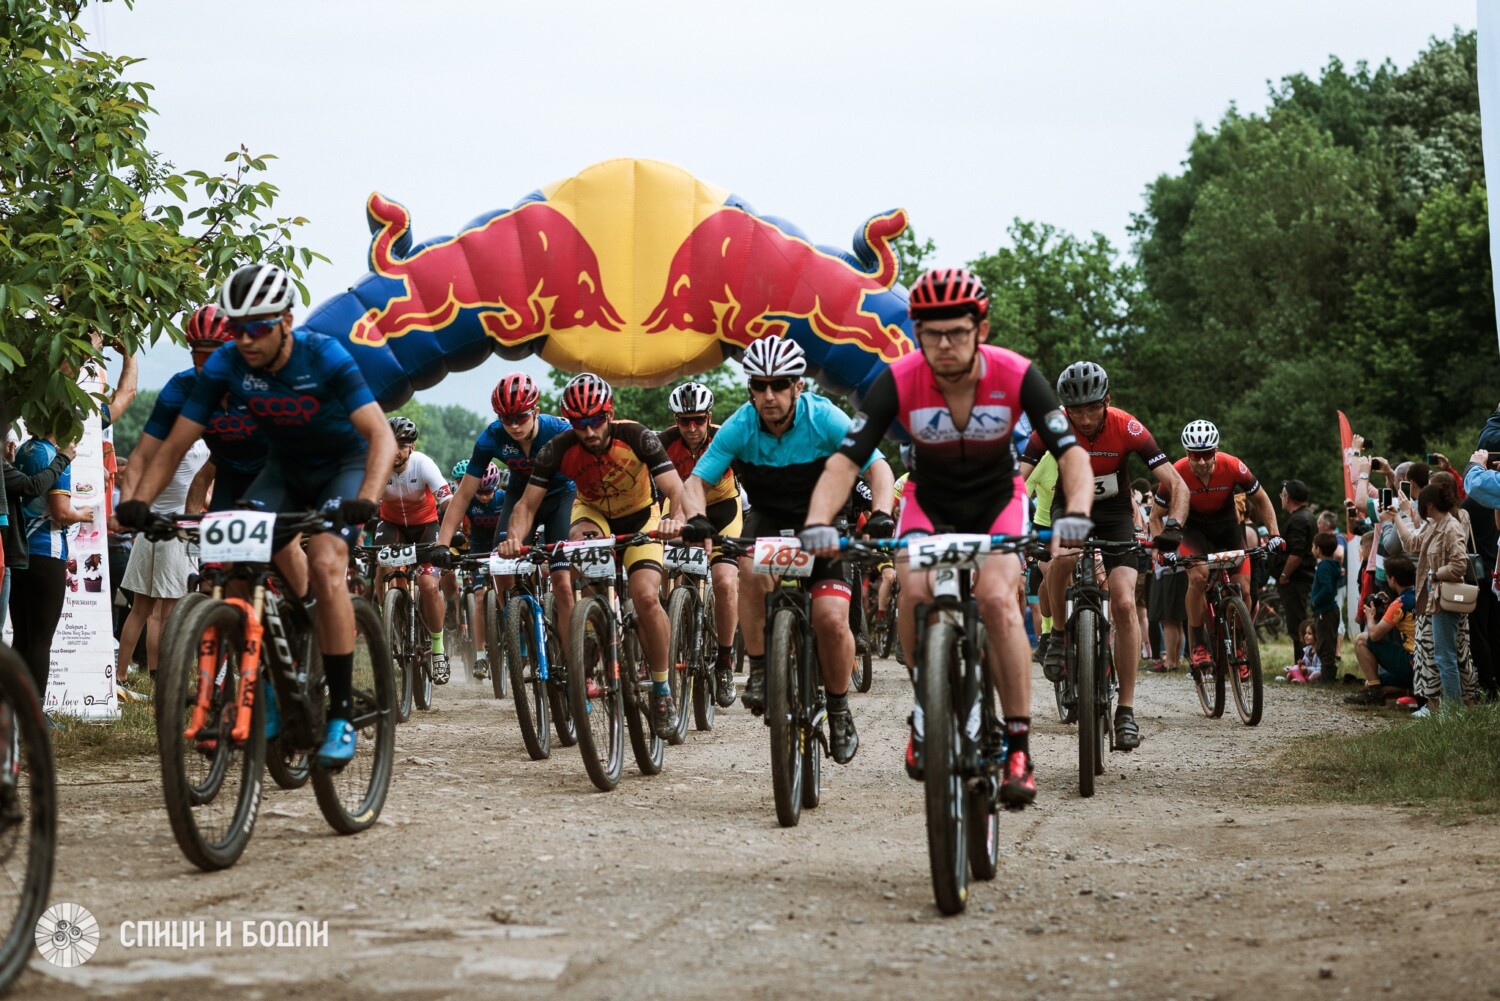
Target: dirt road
{"type": "Point", "coordinates": [492, 876]}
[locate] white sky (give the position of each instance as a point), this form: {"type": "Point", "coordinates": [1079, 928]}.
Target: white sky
{"type": "Point", "coordinates": [965, 114]}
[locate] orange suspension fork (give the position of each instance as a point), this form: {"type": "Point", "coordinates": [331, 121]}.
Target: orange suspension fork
{"type": "Point", "coordinates": [249, 665]}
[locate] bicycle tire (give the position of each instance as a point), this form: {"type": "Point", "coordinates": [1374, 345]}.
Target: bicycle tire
{"type": "Point", "coordinates": [682, 658]}
{"type": "Point", "coordinates": [399, 642]}
{"type": "Point", "coordinates": [471, 651]}
{"type": "Point", "coordinates": [648, 748]}
{"type": "Point", "coordinates": [352, 797]}
{"type": "Point", "coordinates": [706, 687]}
{"type": "Point", "coordinates": [30, 816]}
{"type": "Point", "coordinates": [601, 736]}
{"type": "Point", "coordinates": [1083, 646]}
{"type": "Point", "coordinates": [812, 772]}
{"type": "Point", "coordinates": [494, 645]}
{"type": "Point", "coordinates": [288, 767]}
{"type": "Point", "coordinates": [1249, 691]}
{"type": "Point", "coordinates": [557, 679]}
{"type": "Point", "coordinates": [208, 838]}
{"type": "Point", "coordinates": [1104, 724]}
{"type": "Point", "coordinates": [526, 684]}
{"type": "Point", "coordinates": [859, 623]}
{"type": "Point", "coordinates": [946, 806]}
{"type": "Point", "coordinates": [1210, 685]}
{"type": "Point", "coordinates": [983, 807]}
{"type": "Point", "coordinates": [180, 609]}
{"type": "Point", "coordinates": [784, 665]}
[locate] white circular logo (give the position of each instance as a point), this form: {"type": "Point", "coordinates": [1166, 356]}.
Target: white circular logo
{"type": "Point", "coordinates": [67, 935]}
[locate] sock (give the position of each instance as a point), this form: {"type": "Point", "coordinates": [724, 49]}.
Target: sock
{"type": "Point", "coordinates": [726, 654]}
{"type": "Point", "coordinates": [338, 671]}
{"type": "Point", "coordinates": [1124, 711]}
{"type": "Point", "coordinates": [659, 685]}
{"type": "Point", "coordinates": [1018, 733]}
{"type": "Point", "coordinates": [1047, 623]}
{"type": "Point", "coordinates": [838, 703]}
{"type": "Point", "coordinates": [1196, 637]}
{"type": "Point", "coordinates": [757, 664]}
{"type": "Point", "coordinates": [437, 641]}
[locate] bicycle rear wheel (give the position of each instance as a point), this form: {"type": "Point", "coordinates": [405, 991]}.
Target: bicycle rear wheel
{"type": "Point", "coordinates": [211, 784]}
{"type": "Point", "coordinates": [399, 642]}
{"type": "Point", "coordinates": [859, 624]}
{"type": "Point", "coordinates": [351, 797]}
{"type": "Point", "coordinates": [495, 646]}
{"type": "Point", "coordinates": [557, 679]}
{"type": "Point", "coordinates": [471, 612]}
{"type": "Point", "coordinates": [635, 683]}
{"type": "Point", "coordinates": [1244, 661]}
{"type": "Point", "coordinates": [595, 695]}
{"type": "Point", "coordinates": [28, 815]}
{"type": "Point", "coordinates": [706, 687]}
{"type": "Point", "coordinates": [1210, 686]}
{"type": "Point", "coordinates": [1083, 649]}
{"type": "Point", "coordinates": [523, 658]}
{"type": "Point", "coordinates": [682, 656]}
{"type": "Point", "coordinates": [784, 664]}
{"type": "Point", "coordinates": [941, 754]}
{"type": "Point", "coordinates": [982, 808]}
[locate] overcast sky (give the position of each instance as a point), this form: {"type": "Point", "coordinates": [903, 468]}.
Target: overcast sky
{"type": "Point", "coordinates": [967, 115]}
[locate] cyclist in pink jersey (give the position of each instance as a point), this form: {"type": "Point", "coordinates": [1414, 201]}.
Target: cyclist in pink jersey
{"type": "Point", "coordinates": [959, 398]}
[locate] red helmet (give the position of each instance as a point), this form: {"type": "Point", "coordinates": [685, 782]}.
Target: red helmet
{"type": "Point", "coordinates": [945, 293]}
{"type": "Point", "coordinates": [587, 395]}
{"type": "Point", "coordinates": [207, 326]}
{"type": "Point", "coordinates": [514, 394]}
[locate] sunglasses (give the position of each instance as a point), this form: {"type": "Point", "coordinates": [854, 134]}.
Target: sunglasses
{"type": "Point", "coordinates": [582, 423]}
{"type": "Point", "coordinates": [774, 385]}
{"type": "Point", "coordinates": [695, 420]}
{"type": "Point", "coordinates": [520, 417]}
{"type": "Point", "coordinates": [1205, 455]}
{"type": "Point", "coordinates": [254, 329]}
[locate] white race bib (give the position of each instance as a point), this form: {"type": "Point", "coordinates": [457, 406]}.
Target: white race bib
{"type": "Point", "coordinates": [1227, 560]}
{"type": "Point", "coordinates": [783, 556]}
{"type": "Point", "coordinates": [397, 556]}
{"type": "Point", "coordinates": [688, 559]}
{"type": "Point", "coordinates": [594, 558]}
{"type": "Point", "coordinates": [947, 551]}
{"type": "Point", "coordinates": [236, 536]}
{"type": "Point", "coordinates": [502, 567]}
{"type": "Point", "coordinates": [1106, 486]}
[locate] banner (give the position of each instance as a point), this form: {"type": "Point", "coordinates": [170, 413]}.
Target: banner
{"type": "Point", "coordinates": [82, 680]}
{"type": "Point", "coordinates": [1351, 549]}
{"type": "Point", "coordinates": [1489, 113]}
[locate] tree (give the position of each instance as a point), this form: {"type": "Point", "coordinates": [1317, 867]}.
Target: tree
{"type": "Point", "coordinates": [127, 430]}
{"type": "Point", "coordinates": [94, 226]}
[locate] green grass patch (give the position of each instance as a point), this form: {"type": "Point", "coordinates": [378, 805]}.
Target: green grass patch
{"type": "Point", "coordinates": [131, 736]}
{"type": "Point", "coordinates": [1450, 761]}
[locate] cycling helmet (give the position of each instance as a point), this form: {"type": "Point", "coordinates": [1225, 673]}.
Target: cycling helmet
{"type": "Point", "coordinates": [404, 429]}
{"type": "Point", "coordinates": [207, 328]}
{"type": "Point", "coordinates": [1200, 436]}
{"type": "Point", "coordinates": [256, 291]}
{"type": "Point", "coordinates": [691, 398]}
{"type": "Point", "coordinates": [908, 455]}
{"type": "Point", "coordinates": [514, 394]}
{"type": "Point", "coordinates": [493, 476]}
{"type": "Point", "coordinates": [587, 395]}
{"type": "Point", "coordinates": [1081, 383]}
{"type": "Point", "coordinates": [947, 293]}
{"type": "Point", "coordinates": [459, 468]}
{"type": "Point", "coordinates": [774, 356]}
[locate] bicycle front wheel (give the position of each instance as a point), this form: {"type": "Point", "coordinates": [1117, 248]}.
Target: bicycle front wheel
{"type": "Point", "coordinates": [859, 625]}
{"type": "Point", "coordinates": [28, 815]}
{"type": "Point", "coordinates": [947, 848]}
{"type": "Point", "coordinates": [210, 782]}
{"type": "Point", "coordinates": [351, 798]}
{"type": "Point", "coordinates": [399, 642]}
{"type": "Point", "coordinates": [1083, 651]}
{"type": "Point", "coordinates": [495, 646]}
{"type": "Point", "coordinates": [784, 665]}
{"type": "Point", "coordinates": [557, 680]}
{"type": "Point", "coordinates": [682, 657]}
{"type": "Point", "coordinates": [705, 685]}
{"type": "Point", "coordinates": [1210, 687]}
{"type": "Point", "coordinates": [635, 683]}
{"type": "Point", "coordinates": [595, 693]}
{"type": "Point", "coordinates": [1243, 652]}
{"type": "Point", "coordinates": [524, 659]}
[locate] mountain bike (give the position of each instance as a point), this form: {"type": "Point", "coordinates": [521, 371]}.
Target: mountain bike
{"type": "Point", "coordinates": [882, 621]}
{"type": "Point", "coordinates": [28, 815]}
{"type": "Point", "coordinates": [406, 632]}
{"type": "Point", "coordinates": [1270, 622]}
{"type": "Point", "coordinates": [1232, 637]}
{"type": "Point", "coordinates": [210, 717]}
{"type": "Point", "coordinates": [526, 647]}
{"type": "Point", "coordinates": [694, 646]}
{"type": "Point", "coordinates": [867, 644]}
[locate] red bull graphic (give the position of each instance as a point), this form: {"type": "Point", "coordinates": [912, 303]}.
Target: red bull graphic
{"type": "Point", "coordinates": [633, 269]}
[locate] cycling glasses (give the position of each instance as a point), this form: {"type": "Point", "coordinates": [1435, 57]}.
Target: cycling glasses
{"type": "Point", "coordinates": [1202, 455]}
{"type": "Point", "coordinates": [254, 329]}
{"type": "Point", "coordinates": [519, 417]}
{"type": "Point", "coordinates": [583, 423]}
{"type": "Point", "coordinates": [952, 335]}
{"type": "Point", "coordinates": [774, 385]}
{"type": "Point", "coordinates": [696, 420]}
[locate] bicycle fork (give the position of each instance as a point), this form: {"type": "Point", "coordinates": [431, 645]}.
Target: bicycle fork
{"type": "Point", "coordinates": [211, 673]}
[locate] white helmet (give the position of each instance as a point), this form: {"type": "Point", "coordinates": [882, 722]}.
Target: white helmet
{"type": "Point", "coordinates": [256, 291]}
{"type": "Point", "coordinates": [1200, 436]}
{"type": "Point", "coordinates": [774, 356]}
{"type": "Point", "coordinates": [691, 398]}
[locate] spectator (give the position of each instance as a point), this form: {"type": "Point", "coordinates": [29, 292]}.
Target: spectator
{"type": "Point", "coordinates": [1294, 582]}
{"type": "Point", "coordinates": [1441, 546]}
{"type": "Point", "coordinates": [1384, 650]}
{"type": "Point", "coordinates": [1169, 609]}
{"type": "Point", "coordinates": [1308, 668]}
{"type": "Point", "coordinates": [1141, 493]}
{"type": "Point", "coordinates": [17, 489]}
{"type": "Point", "coordinates": [1484, 623]}
{"type": "Point", "coordinates": [1324, 603]}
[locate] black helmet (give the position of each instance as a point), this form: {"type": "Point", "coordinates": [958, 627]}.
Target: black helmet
{"type": "Point", "coordinates": [1082, 383]}
{"type": "Point", "coordinates": [405, 430]}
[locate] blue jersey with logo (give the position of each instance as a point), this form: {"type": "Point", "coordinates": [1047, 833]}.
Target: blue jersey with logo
{"type": "Point", "coordinates": [43, 536]}
{"type": "Point", "coordinates": [229, 433]}
{"type": "Point", "coordinates": [495, 444]}
{"type": "Point", "coordinates": [484, 522]}
{"type": "Point", "coordinates": [302, 409]}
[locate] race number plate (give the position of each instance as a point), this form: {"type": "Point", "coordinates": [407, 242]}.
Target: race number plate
{"type": "Point", "coordinates": [948, 551]}
{"type": "Point", "coordinates": [782, 556]}
{"type": "Point", "coordinates": [1106, 486]}
{"type": "Point", "coordinates": [1228, 560]}
{"type": "Point", "coordinates": [688, 559]}
{"type": "Point", "coordinates": [236, 536]}
{"type": "Point", "coordinates": [397, 556]}
{"type": "Point", "coordinates": [502, 567]}
{"type": "Point", "coordinates": [594, 558]}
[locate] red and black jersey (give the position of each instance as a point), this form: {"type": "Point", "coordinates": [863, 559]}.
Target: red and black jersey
{"type": "Point", "coordinates": [1120, 437]}
{"type": "Point", "coordinates": [1213, 501]}
{"type": "Point", "coordinates": [684, 459]}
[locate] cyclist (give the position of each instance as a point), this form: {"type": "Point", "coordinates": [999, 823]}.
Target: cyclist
{"type": "Point", "coordinates": [692, 403]}
{"type": "Point", "coordinates": [409, 508]}
{"type": "Point", "coordinates": [1213, 478]}
{"type": "Point", "coordinates": [614, 465]}
{"type": "Point", "coordinates": [329, 446]}
{"type": "Point", "coordinates": [778, 443]}
{"type": "Point", "coordinates": [514, 440]}
{"type": "Point", "coordinates": [959, 398]}
{"type": "Point", "coordinates": [1111, 437]}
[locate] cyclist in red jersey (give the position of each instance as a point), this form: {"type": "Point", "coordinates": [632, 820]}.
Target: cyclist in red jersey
{"type": "Point", "coordinates": [1111, 436]}
{"type": "Point", "coordinates": [1212, 478]}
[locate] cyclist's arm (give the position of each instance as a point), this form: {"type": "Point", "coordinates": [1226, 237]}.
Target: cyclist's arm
{"type": "Point", "coordinates": [832, 489]}
{"type": "Point", "coordinates": [1176, 490]}
{"type": "Point", "coordinates": [165, 460]}
{"type": "Point", "coordinates": [197, 496]}
{"type": "Point", "coordinates": [858, 448]}
{"type": "Point", "coordinates": [454, 515]}
{"type": "Point", "coordinates": [671, 487]}
{"type": "Point", "coordinates": [1075, 478]}
{"type": "Point", "coordinates": [370, 422]}
{"type": "Point", "coordinates": [693, 497]}
{"type": "Point", "coordinates": [524, 512]}
{"type": "Point", "coordinates": [882, 485]}
{"type": "Point", "coordinates": [1265, 511]}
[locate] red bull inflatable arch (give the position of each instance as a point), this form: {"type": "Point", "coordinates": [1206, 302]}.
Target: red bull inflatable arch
{"type": "Point", "coordinates": [633, 269]}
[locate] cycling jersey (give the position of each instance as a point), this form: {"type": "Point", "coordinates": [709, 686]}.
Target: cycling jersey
{"type": "Point", "coordinates": [302, 409]}
{"type": "Point", "coordinates": [1110, 450]}
{"type": "Point", "coordinates": [484, 522]}
{"type": "Point", "coordinates": [44, 537]}
{"type": "Point", "coordinates": [617, 482]}
{"type": "Point", "coordinates": [230, 431]}
{"type": "Point", "coordinates": [1213, 501]}
{"type": "Point", "coordinates": [966, 476]}
{"type": "Point", "coordinates": [683, 458]}
{"type": "Point", "coordinates": [494, 444]}
{"type": "Point", "coordinates": [413, 492]}
{"type": "Point", "coordinates": [778, 472]}
{"type": "Point", "coordinates": [1042, 485]}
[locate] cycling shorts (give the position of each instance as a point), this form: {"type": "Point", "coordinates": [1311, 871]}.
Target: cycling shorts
{"type": "Point", "coordinates": [1199, 538]}
{"type": "Point", "coordinates": [646, 557]}
{"type": "Point", "coordinates": [308, 487]}
{"type": "Point", "coordinates": [828, 577]}
{"type": "Point", "coordinates": [1113, 523]}
{"type": "Point", "coordinates": [1000, 517]}
{"type": "Point", "coordinates": [392, 533]}
{"type": "Point", "coordinates": [231, 488]}
{"type": "Point", "coordinates": [553, 516]}
{"type": "Point", "coordinates": [728, 519]}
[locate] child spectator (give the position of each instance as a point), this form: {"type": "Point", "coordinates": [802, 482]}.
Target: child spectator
{"type": "Point", "coordinates": [1308, 668]}
{"type": "Point", "coordinates": [1384, 650]}
{"type": "Point", "coordinates": [1323, 602]}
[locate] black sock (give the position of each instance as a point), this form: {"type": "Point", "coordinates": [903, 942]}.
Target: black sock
{"type": "Point", "coordinates": [1018, 733]}
{"type": "Point", "coordinates": [838, 703]}
{"type": "Point", "coordinates": [338, 671]}
{"type": "Point", "coordinates": [757, 664]}
{"type": "Point", "coordinates": [1124, 711]}
{"type": "Point", "coordinates": [726, 654]}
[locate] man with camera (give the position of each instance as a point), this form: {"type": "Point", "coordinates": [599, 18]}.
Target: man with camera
{"type": "Point", "coordinates": [1384, 649]}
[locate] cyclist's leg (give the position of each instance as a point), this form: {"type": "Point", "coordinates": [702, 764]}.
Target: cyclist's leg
{"type": "Point", "coordinates": [830, 623]}
{"type": "Point", "coordinates": [554, 516]}
{"type": "Point", "coordinates": [271, 491]}
{"type": "Point", "coordinates": [725, 574]}
{"type": "Point", "coordinates": [1127, 630]}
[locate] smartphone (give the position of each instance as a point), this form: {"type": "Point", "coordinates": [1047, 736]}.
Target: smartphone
{"type": "Point", "coordinates": [1405, 486]}
{"type": "Point", "coordinates": [1387, 498]}
{"type": "Point", "coordinates": [1432, 458]}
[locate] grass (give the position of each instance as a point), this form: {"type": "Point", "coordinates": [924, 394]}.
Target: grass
{"type": "Point", "coordinates": [133, 735]}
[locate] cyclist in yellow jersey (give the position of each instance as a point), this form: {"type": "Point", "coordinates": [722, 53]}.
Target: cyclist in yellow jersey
{"type": "Point", "coordinates": [1041, 485]}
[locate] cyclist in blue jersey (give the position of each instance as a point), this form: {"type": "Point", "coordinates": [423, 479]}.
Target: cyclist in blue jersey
{"type": "Point", "coordinates": [513, 441]}
{"type": "Point", "coordinates": [329, 444]}
{"type": "Point", "coordinates": [777, 443]}
{"type": "Point", "coordinates": [482, 523]}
